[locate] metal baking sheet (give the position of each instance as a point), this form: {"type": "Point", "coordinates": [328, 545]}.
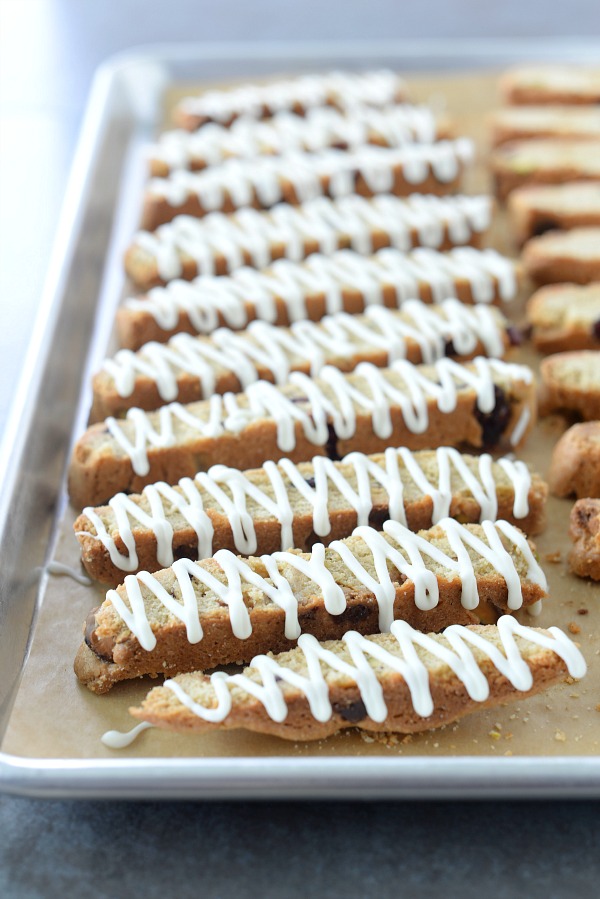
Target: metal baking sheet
{"type": "Point", "coordinates": [70, 338]}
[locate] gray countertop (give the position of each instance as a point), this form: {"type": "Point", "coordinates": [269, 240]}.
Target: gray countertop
{"type": "Point", "coordinates": [48, 52]}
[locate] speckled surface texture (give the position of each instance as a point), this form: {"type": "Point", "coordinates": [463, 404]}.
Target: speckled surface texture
{"type": "Point", "coordinates": [285, 850]}
{"type": "Point", "coordinates": [61, 849]}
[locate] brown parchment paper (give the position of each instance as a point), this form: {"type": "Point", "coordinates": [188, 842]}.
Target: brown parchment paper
{"type": "Point", "coordinates": [54, 717]}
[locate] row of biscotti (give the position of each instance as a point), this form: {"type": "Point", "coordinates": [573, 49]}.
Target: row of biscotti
{"type": "Point", "coordinates": [255, 146]}
{"type": "Point", "coordinates": [551, 131]}
{"type": "Point", "coordinates": [223, 610]}
{"type": "Point", "coordinates": [557, 191]}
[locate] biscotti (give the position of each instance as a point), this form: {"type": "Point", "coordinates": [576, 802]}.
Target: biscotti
{"type": "Point", "coordinates": [584, 530]}
{"type": "Point", "coordinates": [224, 610]}
{"type": "Point", "coordinates": [218, 244]}
{"type": "Point", "coordinates": [575, 467]}
{"type": "Point", "coordinates": [278, 506]}
{"type": "Point", "coordinates": [402, 682]}
{"type": "Point", "coordinates": [295, 178]}
{"type": "Point", "coordinates": [565, 317]}
{"type": "Point", "coordinates": [341, 90]}
{"type": "Point", "coordinates": [293, 291]}
{"type": "Point", "coordinates": [319, 129]}
{"type": "Point", "coordinates": [551, 84]}
{"type": "Point", "coordinates": [571, 383]}
{"type": "Point", "coordinates": [525, 123]}
{"type": "Point", "coordinates": [550, 161]}
{"type": "Point", "coordinates": [189, 368]}
{"type": "Point", "coordinates": [483, 403]}
{"type": "Point", "coordinates": [535, 210]}
{"type": "Point", "coordinates": [563, 256]}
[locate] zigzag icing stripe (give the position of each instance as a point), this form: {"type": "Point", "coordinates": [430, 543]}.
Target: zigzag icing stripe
{"type": "Point", "coordinates": [334, 399]}
{"type": "Point", "coordinates": [282, 350]}
{"type": "Point", "coordinates": [231, 489]}
{"type": "Point", "coordinates": [456, 651]}
{"type": "Point", "coordinates": [405, 552]}
{"type": "Point", "coordinates": [322, 221]}
{"type": "Point", "coordinates": [263, 177]}
{"type": "Point", "coordinates": [319, 129]}
{"type": "Point", "coordinates": [345, 90]}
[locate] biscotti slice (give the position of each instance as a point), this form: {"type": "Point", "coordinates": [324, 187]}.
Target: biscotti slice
{"type": "Point", "coordinates": [218, 244]}
{"type": "Point", "coordinates": [319, 129]}
{"type": "Point", "coordinates": [401, 682]}
{"type": "Point", "coordinates": [551, 84]}
{"type": "Point", "coordinates": [278, 506]}
{"type": "Point", "coordinates": [550, 161]}
{"type": "Point", "coordinates": [525, 123]}
{"type": "Point", "coordinates": [575, 467]}
{"type": "Point", "coordinates": [563, 256]}
{"type": "Point", "coordinates": [565, 317]}
{"type": "Point", "coordinates": [571, 383]}
{"type": "Point", "coordinates": [535, 210]}
{"type": "Point", "coordinates": [224, 610]}
{"type": "Point", "coordinates": [483, 403]}
{"type": "Point", "coordinates": [341, 90]}
{"type": "Point", "coordinates": [295, 178]}
{"type": "Point", "coordinates": [193, 368]}
{"type": "Point", "coordinates": [294, 291]}
{"type": "Point", "coordinates": [584, 531]}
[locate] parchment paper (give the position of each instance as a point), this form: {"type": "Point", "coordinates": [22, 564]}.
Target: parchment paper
{"type": "Point", "coordinates": [54, 717]}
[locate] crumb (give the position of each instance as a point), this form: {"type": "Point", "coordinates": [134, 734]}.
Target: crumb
{"type": "Point", "coordinates": [553, 557]}
{"type": "Point", "coordinates": [560, 736]}
{"type": "Point", "coordinates": [508, 752]}
{"type": "Point", "coordinates": [582, 611]}
{"type": "Point", "coordinates": [367, 738]}
{"type": "Point", "coordinates": [574, 695]}
{"type": "Point", "coordinates": [508, 736]}
{"type": "Point", "coordinates": [436, 745]}
{"type": "Point", "coordinates": [574, 628]}
{"type": "Point", "coordinates": [598, 707]}
{"type": "Point", "coordinates": [494, 734]}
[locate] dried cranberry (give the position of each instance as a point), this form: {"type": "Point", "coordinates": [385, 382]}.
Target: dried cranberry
{"type": "Point", "coordinates": [310, 481]}
{"type": "Point", "coordinates": [596, 330]}
{"type": "Point", "coordinates": [449, 348]}
{"type": "Point", "coordinates": [331, 447]}
{"type": "Point", "coordinates": [354, 712]}
{"type": "Point", "coordinates": [515, 335]}
{"type": "Point", "coordinates": [542, 226]}
{"type": "Point", "coordinates": [494, 423]}
{"type": "Point", "coordinates": [378, 516]}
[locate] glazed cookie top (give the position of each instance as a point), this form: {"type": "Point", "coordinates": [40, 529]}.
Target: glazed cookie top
{"type": "Point", "coordinates": [369, 560]}
{"type": "Point", "coordinates": [345, 90]}
{"type": "Point", "coordinates": [319, 129]}
{"type": "Point", "coordinates": [319, 221]}
{"type": "Point", "coordinates": [265, 176]}
{"type": "Point", "coordinates": [208, 299]}
{"type": "Point", "coordinates": [314, 668]}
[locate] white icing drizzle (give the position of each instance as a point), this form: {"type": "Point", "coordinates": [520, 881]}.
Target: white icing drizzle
{"type": "Point", "coordinates": [330, 172]}
{"type": "Point", "coordinates": [277, 589]}
{"type": "Point", "coordinates": [521, 426]}
{"type": "Point", "coordinates": [282, 350]}
{"type": "Point", "coordinates": [254, 233]}
{"type": "Point", "coordinates": [60, 570]}
{"type": "Point", "coordinates": [116, 739]}
{"type": "Point", "coordinates": [319, 129]}
{"type": "Point", "coordinates": [208, 297]}
{"type": "Point", "coordinates": [333, 399]}
{"type": "Point", "coordinates": [457, 654]}
{"type": "Point", "coordinates": [231, 489]}
{"type": "Point", "coordinates": [345, 90]}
